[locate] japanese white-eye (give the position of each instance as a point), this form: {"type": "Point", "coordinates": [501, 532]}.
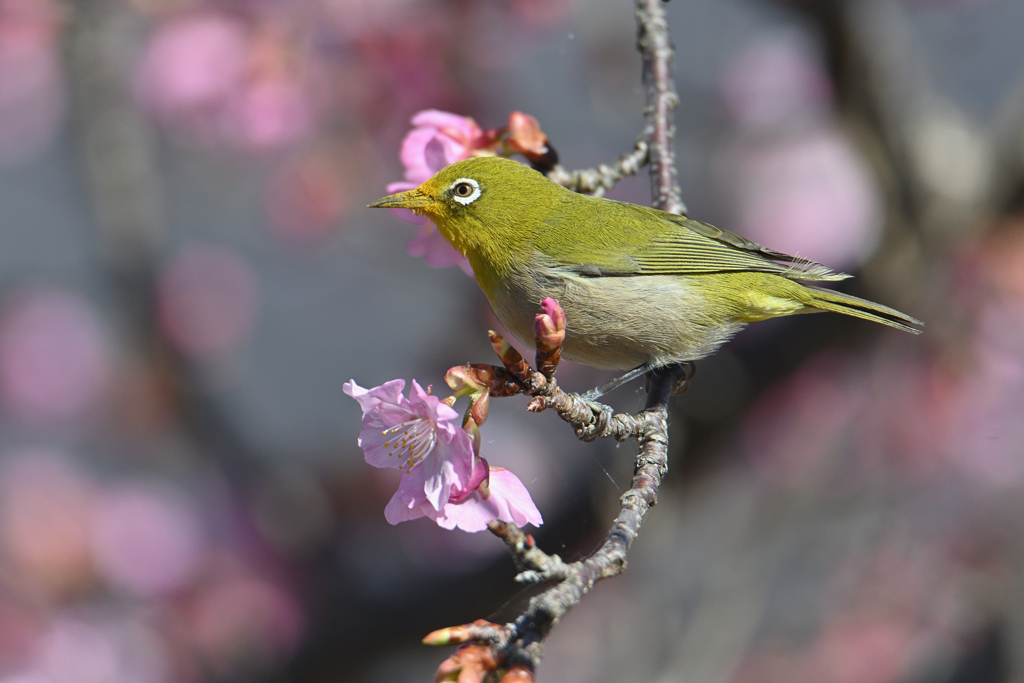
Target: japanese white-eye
{"type": "Point", "coordinates": [640, 287]}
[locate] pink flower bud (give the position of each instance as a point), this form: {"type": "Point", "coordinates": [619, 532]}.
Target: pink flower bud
{"type": "Point", "coordinates": [549, 326]}
{"type": "Point", "coordinates": [525, 136]}
{"type": "Point", "coordinates": [552, 308]}
{"type": "Point", "coordinates": [463, 379]}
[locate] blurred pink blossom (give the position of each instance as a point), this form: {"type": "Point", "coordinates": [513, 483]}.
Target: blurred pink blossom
{"type": "Point", "coordinates": [272, 106]}
{"type": "Point", "coordinates": [244, 622]}
{"type": "Point", "coordinates": [76, 650]}
{"type": "Point", "coordinates": [207, 299]}
{"type": "Point", "coordinates": [217, 77]}
{"type": "Point", "coordinates": [190, 67]}
{"type": "Point", "coordinates": [146, 538]}
{"type": "Point", "coordinates": [306, 198]}
{"type": "Point", "coordinates": [55, 359]}
{"type": "Point", "coordinates": [776, 81]}
{"type": "Point", "coordinates": [414, 435]}
{"type": "Point", "coordinates": [795, 181]}
{"type": "Point", "coordinates": [508, 501]}
{"type": "Point", "coordinates": [32, 87]}
{"type": "Point", "coordinates": [791, 431]}
{"type": "Point", "coordinates": [810, 195]}
{"type": "Point", "coordinates": [45, 507]}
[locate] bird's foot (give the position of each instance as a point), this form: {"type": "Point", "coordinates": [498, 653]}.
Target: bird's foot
{"type": "Point", "coordinates": [687, 370]}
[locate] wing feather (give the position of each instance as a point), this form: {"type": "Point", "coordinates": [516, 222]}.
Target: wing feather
{"type": "Point", "coordinates": [653, 242]}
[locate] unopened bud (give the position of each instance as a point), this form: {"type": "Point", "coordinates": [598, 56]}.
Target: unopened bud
{"type": "Point", "coordinates": [457, 635]}
{"type": "Point", "coordinates": [554, 310]}
{"type": "Point", "coordinates": [465, 379]}
{"type": "Point", "coordinates": [452, 635]}
{"type": "Point", "coordinates": [512, 359]}
{"type": "Point", "coordinates": [549, 337]}
{"type": "Point", "coordinates": [525, 136]}
{"type": "Point", "coordinates": [470, 664]}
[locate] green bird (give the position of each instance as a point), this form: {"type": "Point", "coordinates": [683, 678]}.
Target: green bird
{"type": "Point", "coordinates": [641, 288]}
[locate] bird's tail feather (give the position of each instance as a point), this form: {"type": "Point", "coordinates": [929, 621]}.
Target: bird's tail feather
{"type": "Point", "coordinates": [837, 302]}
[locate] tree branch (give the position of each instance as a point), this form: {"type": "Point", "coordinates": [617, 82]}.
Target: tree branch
{"type": "Point", "coordinates": [655, 45]}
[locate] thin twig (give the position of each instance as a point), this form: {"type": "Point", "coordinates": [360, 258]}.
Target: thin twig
{"type": "Point", "coordinates": [655, 45]}
{"type": "Point", "coordinates": [597, 180]}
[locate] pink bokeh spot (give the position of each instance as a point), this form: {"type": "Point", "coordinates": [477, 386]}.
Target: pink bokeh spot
{"type": "Point", "coordinates": [268, 113]}
{"type": "Point", "coordinates": [55, 359]}
{"type": "Point", "coordinates": [191, 65]}
{"type": "Point", "coordinates": [811, 196]}
{"type": "Point", "coordinates": [45, 507]}
{"type": "Point", "coordinates": [306, 198]}
{"type": "Point", "coordinates": [32, 87]}
{"type": "Point", "coordinates": [77, 650]}
{"type": "Point", "coordinates": [241, 616]}
{"type": "Point", "coordinates": [775, 80]}
{"type": "Point", "coordinates": [216, 77]}
{"type": "Point", "coordinates": [146, 539]}
{"type": "Point", "coordinates": [207, 299]}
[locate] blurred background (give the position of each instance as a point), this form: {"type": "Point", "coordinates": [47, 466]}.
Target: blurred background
{"type": "Point", "coordinates": [188, 275]}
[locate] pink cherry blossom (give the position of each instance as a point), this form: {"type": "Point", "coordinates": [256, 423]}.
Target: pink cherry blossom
{"type": "Point", "coordinates": [415, 436]}
{"type": "Point", "coordinates": [508, 501]}
{"type": "Point", "coordinates": [439, 138]}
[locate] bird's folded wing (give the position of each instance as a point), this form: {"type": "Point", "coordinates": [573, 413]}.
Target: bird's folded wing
{"type": "Point", "coordinates": [677, 245]}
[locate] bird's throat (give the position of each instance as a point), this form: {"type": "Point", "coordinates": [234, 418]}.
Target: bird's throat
{"type": "Point", "coordinates": [490, 259]}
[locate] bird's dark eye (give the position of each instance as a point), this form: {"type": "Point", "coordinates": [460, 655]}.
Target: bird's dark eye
{"type": "Point", "coordinates": [465, 191]}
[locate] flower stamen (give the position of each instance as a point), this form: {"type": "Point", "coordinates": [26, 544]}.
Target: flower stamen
{"type": "Point", "coordinates": [418, 438]}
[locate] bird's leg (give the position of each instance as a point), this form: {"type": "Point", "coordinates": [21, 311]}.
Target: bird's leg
{"type": "Point", "coordinates": [599, 391]}
{"type": "Point", "coordinates": [687, 369]}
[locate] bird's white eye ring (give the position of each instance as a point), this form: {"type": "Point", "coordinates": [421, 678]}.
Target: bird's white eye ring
{"type": "Point", "coordinates": [465, 191]}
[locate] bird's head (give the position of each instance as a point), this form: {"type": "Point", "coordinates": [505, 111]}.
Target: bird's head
{"type": "Point", "coordinates": [481, 205]}
{"type": "Point", "coordinates": [475, 186]}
